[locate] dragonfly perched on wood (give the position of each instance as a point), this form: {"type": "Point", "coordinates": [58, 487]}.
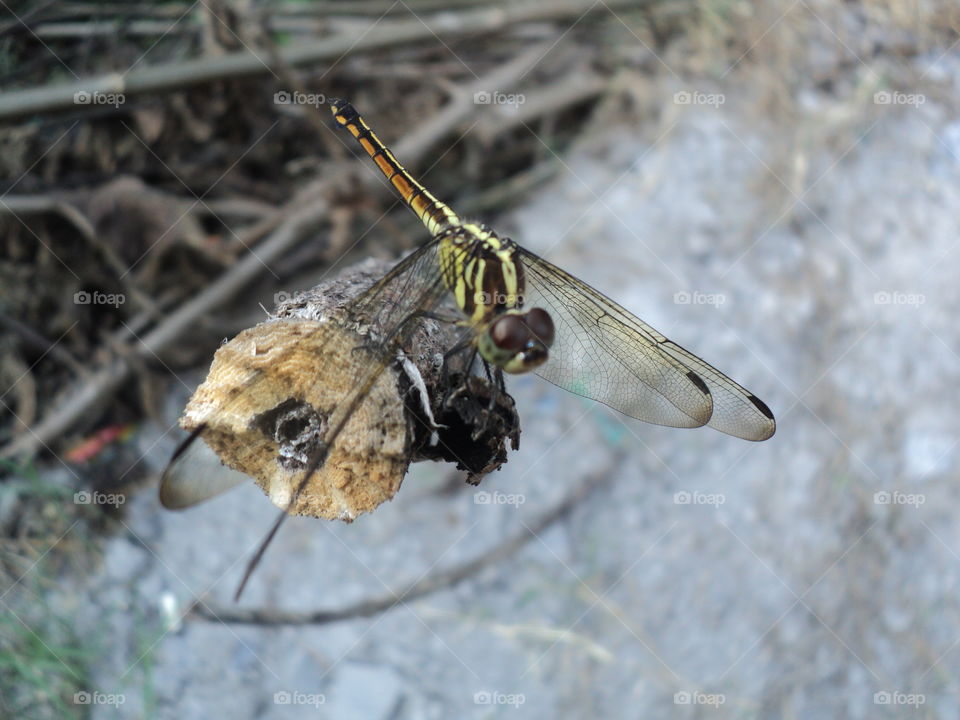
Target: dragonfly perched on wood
{"type": "Point", "coordinates": [518, 313]}
{"type": "Point", "coordinates": [571, 335]}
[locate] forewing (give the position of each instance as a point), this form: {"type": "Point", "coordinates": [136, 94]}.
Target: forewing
{"type": "Point", "coordinates": [736, 410]}
{"type": "Point", "coordinates": [412, 286]}
{"type": "Point", "coordinates": [604, 352]}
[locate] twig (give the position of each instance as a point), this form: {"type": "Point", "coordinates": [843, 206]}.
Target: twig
{"type": "Point", "coordinates": [546, 101]}
{"type": "Point", "coordinates": [431, 584]}
{"type": "Point", "coordinates": [239, 207]}
{"type": "Point", "coordinates": [176, 76]}
{"type": "Point", "coordinates": [375, 8]}
{"type": "Point", "coordinates": [38, 204]}
{"type": "Point", "coordinates": [109, 378]}
{"type": "Point", "coordinates": [26, 17]}
{"type": "Point", "coordinates": [100, 28]}
{"type": "Point", "coordinates": [35, 339]}
{"type": "Point", "coordinates": [463, 103]}
{"type": "Point", "coordinates": [24, 387]}
{"type": "Point", "coordinates": [507, 193]}
{"type": "Point", "coordinates": [287, 225]}
{"type": "Point", "coordinates": [99, 10]}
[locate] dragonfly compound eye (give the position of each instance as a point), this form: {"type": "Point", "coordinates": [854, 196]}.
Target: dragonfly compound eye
{"type": "Point", "coordinates": [541, 325]}
{"type": "Point", "coordinates": [519, 340]}
{"type": "Point", "coordinates": [510, 333]}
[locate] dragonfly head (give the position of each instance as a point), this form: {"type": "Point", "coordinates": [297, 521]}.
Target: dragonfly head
{"type": "Point", "coordinates": [518, 341]}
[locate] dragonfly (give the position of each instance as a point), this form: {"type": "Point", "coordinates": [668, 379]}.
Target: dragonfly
{"type": "Point", "coordinates": [526, 314]}
{"type": "Point", "coordinates": [519, 313]}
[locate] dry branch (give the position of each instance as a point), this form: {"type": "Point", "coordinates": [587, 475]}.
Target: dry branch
{"type": "Point", "coordinates": [551, 99]}
{"type": "Point", "coordinates": [176, 76]}
{"type": "Point", "coordinates": [292, 222]}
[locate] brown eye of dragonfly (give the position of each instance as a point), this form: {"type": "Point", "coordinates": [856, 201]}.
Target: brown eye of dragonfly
{"type": "Point", "coordinates": [541, 325]}
{"type": "Point", "coordinates": [509, 332]}
{"type": "Point", "coordinates": [516, 332]}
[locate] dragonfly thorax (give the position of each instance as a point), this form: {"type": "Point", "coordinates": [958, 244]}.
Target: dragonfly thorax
{"type": "Point", "coordinates": [482, 271]}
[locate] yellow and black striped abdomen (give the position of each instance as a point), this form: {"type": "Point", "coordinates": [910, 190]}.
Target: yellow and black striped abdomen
{"type": "Point", "coordinates": [433, 213]}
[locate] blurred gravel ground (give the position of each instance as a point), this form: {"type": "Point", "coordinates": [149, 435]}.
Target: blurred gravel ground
{"type": "Point", "coordinates": [799, 593]}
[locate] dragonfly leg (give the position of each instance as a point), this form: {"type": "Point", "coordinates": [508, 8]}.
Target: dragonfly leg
{"type": "Point", "coordinates": [494, 381]}
{"type": "Point", "coordinates": [497, 387]}
{"type": "Point", "coordinates": [449, 318]}
{"type": "Point", "coordinates": [457, 349]}
{"type": "Point", "coordinates": [498, 384]}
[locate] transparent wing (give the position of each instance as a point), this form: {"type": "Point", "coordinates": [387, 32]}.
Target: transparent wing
{"type": "Point", "coordinates": [604, 352]}
{"type": "Point", "coordinates": [414, 285]}
{"type": "Point", "coordinates": [194, 475]}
